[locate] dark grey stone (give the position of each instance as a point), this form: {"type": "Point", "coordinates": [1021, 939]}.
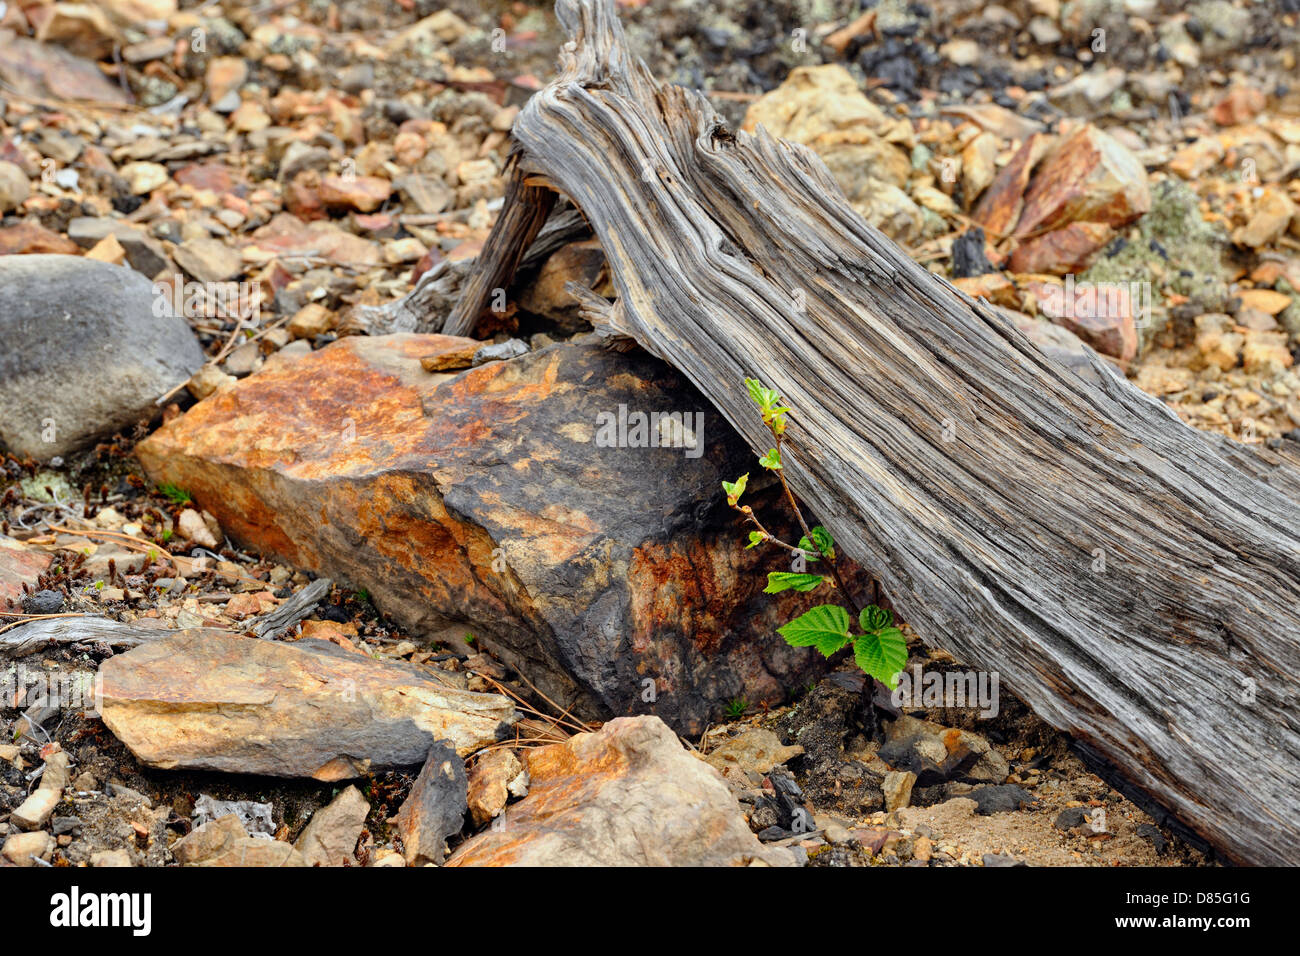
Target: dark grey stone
{"type": "Point", "coordinates": [85, 350]}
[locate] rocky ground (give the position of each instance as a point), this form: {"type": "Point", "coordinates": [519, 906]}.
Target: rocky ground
{"type": "Point", "coordinates": [297, 551]}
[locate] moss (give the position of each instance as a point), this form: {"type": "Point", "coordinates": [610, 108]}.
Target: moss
{"type": "Point", "coordinates": [1174, 249]}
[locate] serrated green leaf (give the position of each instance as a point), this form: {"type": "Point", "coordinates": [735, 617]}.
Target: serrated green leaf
{"type": "Point", "coordinates": [772, 460]}
{"type": "Point", "coordinates": [874, 618]}
{"type": "Point", "coordinates": [825, 627]}
{"type": "Point", "coordinates": [882, 654]}
{"type": "Point", "coordinates": [809, 551]}
{"type": "Point", "coordinates": [778, 581]}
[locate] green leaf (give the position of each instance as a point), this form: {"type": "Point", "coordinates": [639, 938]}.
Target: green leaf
{"type": "Point", "coordinates": [734, 489]}
{"type": "Point", "coordinates": [882, 654]}
{"type": "Point", "coordinates": [821, 544]}
{"type": "Point", "coordinates": [779, 581]}
{"type": "Point", "coordinates": [874, 618]}
{"type": "Point", "coordinates": [769, 402]}
{"type": "Point", "coordinates": [755, 538]}
{"type": "Point", "coordinates": [825, 627]}
{"type": "Point", "coordinates": [772, 460]}
{"type": "Point", "coordinates": [822, 538]}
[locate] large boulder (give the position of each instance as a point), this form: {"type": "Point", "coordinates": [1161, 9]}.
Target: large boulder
{"type": "Point", "coordinates": [614, 577]}
{"type": "Point", "coordinates": [628, 795]}
{"type": "Point", "coordinates": [85, 350]}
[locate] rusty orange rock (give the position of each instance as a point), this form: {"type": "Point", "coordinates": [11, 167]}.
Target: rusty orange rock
{"type": "Point", "coordinates": [999, 208]}
{"type": "Point", "coordinates": [1089, 177]}
{"type": "Point", "coordinates": [613, 577]}
{"type": "Point", "coordinates": [1068, 249]}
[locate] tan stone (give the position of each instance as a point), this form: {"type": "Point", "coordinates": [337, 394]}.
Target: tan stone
{"type": "Point", "coordinates": [489, 783]}
{"type": "Point", "coordinates": [330, 837]}
{"type": "Point", "coordinates": [897, 787]}
{"type": "Point", "coordinates": [34, 812]}
{"type": "Point", "coordinates": [978, 166]}
{"type": "Point", "coordinates": [311, 320]}
{"type": "Point", "coordinates": [628, 794]}
{"type": "Point", "coordinates": [211, 700]}
{"type": "Point", "coordinates": [20, 848]}
{"type": "Point", "coordinates": [755, 750]}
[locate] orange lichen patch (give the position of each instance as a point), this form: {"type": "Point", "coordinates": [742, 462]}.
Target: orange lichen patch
{"type": "Point", "coordinates": [271, 421]}
{"type": "Point", "coordinates": [677, 590]}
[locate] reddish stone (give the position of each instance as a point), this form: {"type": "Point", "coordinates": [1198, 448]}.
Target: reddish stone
{"type": "Point", "coordinates": [31, 238]}
{"type": "Point", "coordinates": [19, 565]}
{"type": "Point", "coordinates": [1070, 249]}
{"type": "Point", "coordinates": [999, 208]}
{"type": "Point", "coordinates": [1089, 177]}
{"type": "Point", "coordinates": [216, 177]}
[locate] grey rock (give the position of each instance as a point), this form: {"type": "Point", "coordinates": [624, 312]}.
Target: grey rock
{"type": "Point", "coordinates": [82, 352]}
{"type": "Point", "coordinates": [43, 602]}
{"type": "Point", "coordinates": [435, 808]}
{"type": "Point", "coordinates": [938, 754]}
{"type": "Point", "coordinates": [511, 348]}
{"type": "Point", "coordinates": [145, 253]}
{"type": "Point", "coordinates": [1153, 836]}
{"type": "Point", "coordinates": [1071, 817]}
{"type": "Point", "coordinates": [1001, 859]}
{"type": "Point", "coordinates": [1001, 799]}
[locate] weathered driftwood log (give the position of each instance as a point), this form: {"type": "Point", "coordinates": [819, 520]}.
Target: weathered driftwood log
{"type": "Point", "coordinates": [1134, 581]}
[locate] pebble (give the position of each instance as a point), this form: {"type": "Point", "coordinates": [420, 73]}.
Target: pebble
{"type": "Point", "coordinates": [20, 848]}
{"type": "Point", "coordinates": [34, 812]}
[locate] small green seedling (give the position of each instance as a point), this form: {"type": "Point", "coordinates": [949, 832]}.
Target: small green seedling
{"type": "Point", "coordinates": [736, 708]}
{"type": "Point", "coordinates": [880, 649]}
{"type": "Point", "coordinates": [174, 493]}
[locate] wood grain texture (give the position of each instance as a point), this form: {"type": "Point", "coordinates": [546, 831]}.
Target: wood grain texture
{"type": "Point", "coordinates": [982, 483]}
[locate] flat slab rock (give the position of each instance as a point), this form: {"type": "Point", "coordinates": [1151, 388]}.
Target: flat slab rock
{"type": "Point", "coordinates": [608, 575]}
{"type": "Point", "coordinates": [628, 795]}
{"type": "Point", "coordinates": [206, 699]}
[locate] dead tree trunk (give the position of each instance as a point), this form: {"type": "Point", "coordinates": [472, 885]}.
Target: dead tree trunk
{"type": "Point", "coordinates": [1134, 581]}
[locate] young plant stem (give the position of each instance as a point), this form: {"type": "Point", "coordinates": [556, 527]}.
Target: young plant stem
{"type": "Point", "coordinates": [839, 581]}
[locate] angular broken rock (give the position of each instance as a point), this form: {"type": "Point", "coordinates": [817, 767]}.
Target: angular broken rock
{"type": "Point", "coordinates": [223, 842]}
{"type": "Point", "coordinates": [490, 782]}
{"type": "Point", "coordinates": [435, 808]}
{"type": "Point", "coordinates": [755, 750]}
{"type": "Point", "coordinates": [615, 578]}
{"type": "Point", "coordinates": [206, 699]}
{"type": "Point", "coordinates": [627, 795]}
{"type": "Point", "coordinates": [34, 812]}
{"type": "Point", "coordinates": [1089, 177]}
{"type": "Point", "coordinates": [937, 754]}
{"type": "Point", "coordinates": [86, 351]}
{"type": "Point", "coordinates": [330, 837]}
{"type": "Point", "coordinates": [19, 565]}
